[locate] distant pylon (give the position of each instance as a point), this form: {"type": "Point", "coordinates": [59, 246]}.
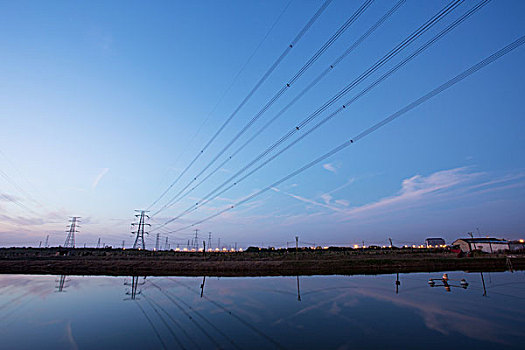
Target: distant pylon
{"type": "Point", "coordinates": [166, 245]}
{"type": "Point", "coordinates": [139, 239]}
{"type": "Point", "coordinates": [70, 238]}
{"type": "Point", "coordinates": [157, 242]}
{"type": "Point", "coordinates": [196, 240]}
{"type": "Point", "coordinates": [47, 242]}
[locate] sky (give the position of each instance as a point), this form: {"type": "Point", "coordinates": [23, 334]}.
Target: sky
{"type": "Point", "coordinates": [103, 105]}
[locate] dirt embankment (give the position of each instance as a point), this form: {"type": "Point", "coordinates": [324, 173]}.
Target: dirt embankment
{"type": "Point", "coordinates": [118, 262]}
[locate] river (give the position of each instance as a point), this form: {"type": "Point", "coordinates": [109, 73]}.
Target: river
{"type": "Point", "coordinates": [306, 312]}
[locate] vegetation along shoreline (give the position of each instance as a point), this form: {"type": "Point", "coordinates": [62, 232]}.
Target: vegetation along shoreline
{"type": "Point", "coordinates": [282, 262]}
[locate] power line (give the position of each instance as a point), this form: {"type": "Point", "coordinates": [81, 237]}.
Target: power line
{"type": "Point", "coordinates": [251, 93]}
{"type": "Point", "coordinates": [177, 323]}
{"type": "Point", "coordinates": [392, 53]}
{"type": "Point", "coordinates": [227, 90]}
{"type": "Point", "coordinates": [170, 329]}
{"type": "Point", "coordinates": [312, 84]}
{"type": "Point", "coordinates": [15, 184]}
{"type": "Point", "coordinates": [152, 326]}
{"type": "Point", "coordinates": [349, 102]}
{"type": "Point", "coordinates": [238, 318]}
{"type": "Point", "coordinates": [198, 325]}
{"type": "Point", "coordinates": [473, 69]}
{"type": "Point", "coordinates": [12, 199]}
{"type": "Point", "coordinates": [276, 96]}
{"type": "Point", "coordinates": [202, 317]}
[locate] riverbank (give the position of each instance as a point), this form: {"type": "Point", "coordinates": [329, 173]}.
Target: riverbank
{"type": "Point", "coordinates": [118, 262]}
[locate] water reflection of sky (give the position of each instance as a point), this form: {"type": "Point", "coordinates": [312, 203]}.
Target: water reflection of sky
{"type": "Point", "coordinates": [337, 312]}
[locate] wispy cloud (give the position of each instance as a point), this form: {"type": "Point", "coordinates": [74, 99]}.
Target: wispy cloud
{"type": "Point", "coordinates": [99, 177]}
{"type": "Point", "coordinates": [69, 336]}
{"type": "Point", "coordinates": [330, 167]}
{"type": "Point", "coordinates": [343, 186]}
{"type": "Point", "coordinates": [417, 187]}
{"type": "Point", "coordinates": [326, 197]}
{"type": "Point", "coordinates": [342, 202]}
{"type": "Point", "coordinates": [8, 197]}
{"type": "Point", "coordinates": [418, 191]}
{"type": "Point", "coordinates": [310, 201]}
{"type": "Point", "coordinates": [446, 185]}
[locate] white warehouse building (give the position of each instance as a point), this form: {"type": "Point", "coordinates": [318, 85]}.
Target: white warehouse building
{"type": "Point", "coordinates": [487, 245]}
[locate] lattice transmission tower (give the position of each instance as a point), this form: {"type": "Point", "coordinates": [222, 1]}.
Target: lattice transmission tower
{"type": "Point", "coordinates": [73, 228]}
{"type": "Point", "coordinates": [139, 238]}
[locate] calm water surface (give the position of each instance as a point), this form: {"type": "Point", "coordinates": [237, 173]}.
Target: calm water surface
{"type": "Point", "coordinates": [322, 312]}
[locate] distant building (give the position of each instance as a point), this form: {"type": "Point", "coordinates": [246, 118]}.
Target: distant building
{"type": "Point", "coordinates": [487, 245]}
{"type": "Point", "coordinates": [434, 242]}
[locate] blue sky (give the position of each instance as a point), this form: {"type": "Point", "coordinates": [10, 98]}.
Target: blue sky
{"type": "Point", "coordinates": [100, 102]}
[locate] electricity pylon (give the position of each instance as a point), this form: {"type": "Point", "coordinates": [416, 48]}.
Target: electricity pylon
{"type": "Point", "coordinates": [196, 241]}
{"type": "Point", "coordinates": [139, 239]}
{"type": "Point", "coordinates": [73, 226]}
{"type": "Point", "coordinates": [157, 242]}
{"type": "Point", "coordinates": [62, 283]}
{"type": "Point", "coordinates": [134, 284]}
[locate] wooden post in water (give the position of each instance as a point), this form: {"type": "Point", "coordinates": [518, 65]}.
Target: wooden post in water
{"type": "Point", "coordinates": [483, 282]}
{"type": "Point", "coordinates": [298, 290]}
{"type": "Point", "coordinates": [202, 285]}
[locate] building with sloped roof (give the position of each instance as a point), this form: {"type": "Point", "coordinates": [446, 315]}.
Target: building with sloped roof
{"type": "Point", "coordinates": [487, 245]}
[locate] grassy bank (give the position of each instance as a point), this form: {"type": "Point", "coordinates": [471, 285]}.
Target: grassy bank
{"type": "Point", "coordinates": [118, 262]}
